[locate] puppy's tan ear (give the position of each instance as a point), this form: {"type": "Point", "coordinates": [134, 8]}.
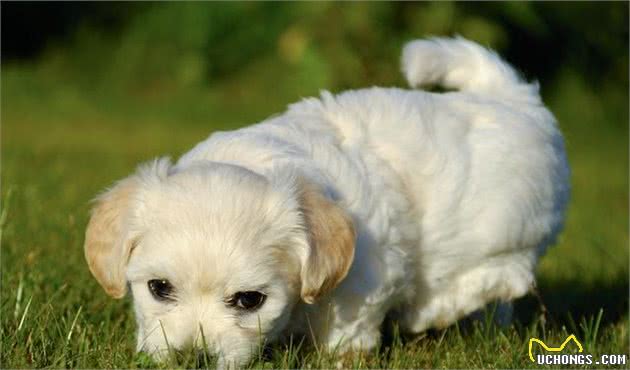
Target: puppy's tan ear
{"type": "Point", "coordinates": [107, 247]}
{"type": "Point", "coordinates": [331, 239]}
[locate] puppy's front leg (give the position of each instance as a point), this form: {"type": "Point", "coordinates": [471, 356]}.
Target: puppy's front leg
{"type": "Point", "coordinates": [327, 328]}
{"type": "Point", "coordinates": [365, 340]}
{"type": "Point", "coordinates": [347, 337]}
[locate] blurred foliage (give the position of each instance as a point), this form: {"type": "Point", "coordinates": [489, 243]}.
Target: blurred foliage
{"type": "Point", "coordinates": [89, 89]}
{"type": "Point", "coordinates": [153, 52]}
{"type": "Point", "coordinates": [205, 66]}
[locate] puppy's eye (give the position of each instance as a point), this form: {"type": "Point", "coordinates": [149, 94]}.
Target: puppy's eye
{"type": "Point", "coordinates": [249, 300]}
{"type": "Point", "coordinates": [161, 289]}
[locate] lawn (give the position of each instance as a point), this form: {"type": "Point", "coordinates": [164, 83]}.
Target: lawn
{"type": "Point", "coordinates": [63, 142]}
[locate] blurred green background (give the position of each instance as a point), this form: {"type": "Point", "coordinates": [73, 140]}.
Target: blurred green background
{"type": "Point", "coordinates": [91, 89]}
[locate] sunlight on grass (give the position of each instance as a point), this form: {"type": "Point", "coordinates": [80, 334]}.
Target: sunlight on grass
{"type": "Point", "coordinates": [69, 131]}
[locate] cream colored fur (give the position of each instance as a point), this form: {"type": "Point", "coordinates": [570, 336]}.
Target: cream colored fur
{"type": "Point", "coordinates": [343, 209]}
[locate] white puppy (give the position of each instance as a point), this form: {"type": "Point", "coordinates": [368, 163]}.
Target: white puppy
{"type": "Point", "coordinates": [341, 210]}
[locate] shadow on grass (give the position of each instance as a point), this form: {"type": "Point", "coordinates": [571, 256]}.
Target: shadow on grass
{"type": "Point", "coordinates": [566, 304]}
{"type": "Point", "coordinates": [567, 301]}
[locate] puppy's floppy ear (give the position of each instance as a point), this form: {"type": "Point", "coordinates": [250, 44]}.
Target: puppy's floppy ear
{"type": "Point", "coordinates": [107, 245]}
{"type": "Point", "coordinates": [331, 240]}
{"type": "Point", "coordinates": [108, 238]}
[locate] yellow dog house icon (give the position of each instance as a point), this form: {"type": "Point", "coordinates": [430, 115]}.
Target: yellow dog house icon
{"type": "Point", "coordinates": [553, 349]}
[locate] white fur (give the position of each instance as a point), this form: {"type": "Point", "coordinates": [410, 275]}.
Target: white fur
{"type": "Point", "coordinates": [453, 197]}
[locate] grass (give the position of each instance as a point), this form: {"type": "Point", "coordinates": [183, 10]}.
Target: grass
{"type": "Point", "coordinates": [61, 146]}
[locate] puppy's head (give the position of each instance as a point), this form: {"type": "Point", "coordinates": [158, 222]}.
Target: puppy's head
{"type": "Point", "coordinates": [216, 256]}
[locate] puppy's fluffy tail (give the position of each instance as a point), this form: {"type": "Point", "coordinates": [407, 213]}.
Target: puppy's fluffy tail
{"type": "Point", "coordinates": [456, 63]}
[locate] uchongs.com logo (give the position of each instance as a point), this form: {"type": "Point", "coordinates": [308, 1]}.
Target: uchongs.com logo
{"type": "Point", "coordinates": [554, 355]}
